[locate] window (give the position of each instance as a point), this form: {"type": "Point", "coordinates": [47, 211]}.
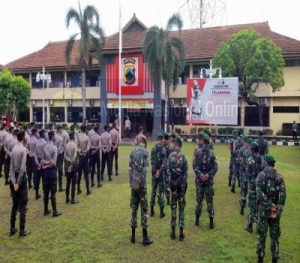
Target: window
{"type": "Point", "coordinates": [197, 68]}
{"type": "Point", "coordinates": [177, 115]}
{"type": "Point", "coordinates": [292, 63]}
{"type": "Point", "coordinates": [93, 114]}
{"type": "Point", "coordinates": [57, 114]}
{"type": "Point", "coordinates": [288, 109]}
{"type": "Point", "coordinates": [252, 117]}
{"type": "Point", "coordinates": [75, 114]}
{"type": "Point", "coordinates": [185, 75]}
{"type": "Point", "coordinates": [38, 114]}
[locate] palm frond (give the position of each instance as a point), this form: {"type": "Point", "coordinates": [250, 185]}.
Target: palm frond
{"type": "Point", "coordinates": [175, 21]}
{"type": "Point", "coordinates": [69, 48]}
{"type": "Point", "coordinates": [72, 14]}
{"type": "Point", "coordinates": [89, 13]}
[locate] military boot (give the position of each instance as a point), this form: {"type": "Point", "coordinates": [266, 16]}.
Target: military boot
{"type": "Point", "coordinates": [172, 235]}
{"type": "Point", "coordinates": [211, 222]}
{"type": "Point", "coordinates": [249, 228]}
{"type": "Point", "coordinates": [146, 240]}
{"type": "Point", "coordinates": [24, 233]}
{"type": "Point", "coordinates": [152, 211]}
{"type": "Point", "coordinates": [132, 235]}
{"type": "Point", "coordinates": [181, 235]}
{"type": "Point", "coordinates": [242, 210]}
{"type": "Point", "coordinates": [168, 200]}
{"type": "Point", "coordinates": [274, 260]}
{"type": "Point", "coordinates": [162, 214]}
{"type": "Point", "coordinates": [197, 221]}
{"type": "Point", "coordinates": [260, 259]}
{"type": "Point", "coordinates": [233, 189]}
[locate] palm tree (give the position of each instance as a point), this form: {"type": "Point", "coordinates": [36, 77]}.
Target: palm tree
{"type": "Point", "coordinates": [90, 43]}
{"type": "Point", "coordinates": [164, 54]}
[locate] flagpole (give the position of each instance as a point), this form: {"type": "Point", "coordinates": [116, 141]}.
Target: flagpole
{"type": "Point", "coordinates": [120, 71]}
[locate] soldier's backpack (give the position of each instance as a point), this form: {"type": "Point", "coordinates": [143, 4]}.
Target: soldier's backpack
{"type": "Point", "coordinates": [138, 176]}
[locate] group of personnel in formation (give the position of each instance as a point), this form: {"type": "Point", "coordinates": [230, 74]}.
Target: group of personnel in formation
{"type": "Point", "coordinates": [31, 155]}
{"type": "Point", "coordinates": [262, 188]}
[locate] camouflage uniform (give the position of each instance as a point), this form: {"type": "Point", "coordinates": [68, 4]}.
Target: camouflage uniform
{"type": "Point", "coordinates": [254, 165]}
{"type": "Point", "coordinates": [263, 146]}
{"type": "Point", "coordinates": [177, 170]}
{"type": "Point", "coordinates": [169, 148]}
{"type": "Point", "coordinates": [244, 154]}
{"type": "Point", "coordinates": [138, 164]}
{"type": "Point", "coordinates": [158, 159]}
{"type": "Point", "coordinates": [204, 163]}
{"type": "Point", "coordinates": [270, 188]}
{"type": "Point", "coordinates": [236, 145]}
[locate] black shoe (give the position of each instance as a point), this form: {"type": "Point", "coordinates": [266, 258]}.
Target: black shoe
{"type": "Point", "coordinates": [88, 192]}
{"type": "Point", "coordinates": [162, 214]}
{"type": "Point", "coordinates": [197, 223]}
{"type": "Point", "coordinates": [24, 233]}
{"type": "Point", "coordinates": [232, 189]}
{"type": "Point", "coordinates": [146, 240]}
{"type": "Point", "coordinates": [152, 211]}
{"type": "Point", "coordinates": [260, 260]}
{"type": "Point", "coordinates": [172, 235]}
{"type": "Point", "coordinates": [242, 210]}
{"type": "Point", "coordinates": [274, 260]}
{"type": "Point", "coordinates": [181, 235]}
{"type": "Point", "coordinates": [37, 197]}
{"type": "Point", "coordinates": [79, 192]}
{"type": "Point", "coordinates": [67, 200]}
{"type": "Point", "coordinates": [47, 212]}
{"type": "Point", "coordinates": [117, 174]}
{"type": "Point", "coordinates": [57, 213]}
{"type": "Point", "coordinates": [168, 201]}
{"type": "Point", "coordinates": [73, 202]}
{"type": "Point", "coordinates": [132, 239]}
{"type": "Point", "coordinates": [99, 185]}
{"type": "Point", "coordinates": [249, 228]}
{"type": "Point", "coordinates": [211, 222]}
{"type": "Point", "coordinates": [13, 231]}
{"type": "Point", "coordinates": [61, 189]}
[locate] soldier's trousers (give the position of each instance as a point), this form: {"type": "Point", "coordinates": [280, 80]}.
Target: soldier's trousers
{"type": "Point", "coordinates": [244, 190]}
{"type": "Point", "coordinates": [106, 160]}
{"type": "Point", "coordinates": [178, 198]}
{"type": "Point", "coordinates": [37, 179]}
{"type": "Point", "coordinates": [252, 202]}
{"type": "Point", "coordinates": [235, 171]}
{"type": "Point", "coordinates": [167, 186]}
{"type": "Point", "coordinates": [158, 183]}
{"type": "Point", "coordinates": [31, 167]}
{"type": "Point", "coordinates": [83, 166]}
{"type": "Point", "coordinates": [207, 191]}
{"type": "Point", "coordinates": [230, 170]}
{"type": "Point", "coordinates": [6, 168]}
{"type": "Point", "coordinates": [50, 189]}
{"type": "Point", "coordinates": [139, 198]}
{"type": "Point", "coordinates": [115, 156]}
{"type": "Point", "coordinates": [71, 180]}
{"type": "Point", "coordinates": [2, 159]}
{"type": "Point", "coordinates": [19, 203]}
{"type": "Point", "coordinates": [95, 161]}
{"type": "Point", "coordinates": [59, 165]}
{"type": "Point", "coordinates": [264, 222]}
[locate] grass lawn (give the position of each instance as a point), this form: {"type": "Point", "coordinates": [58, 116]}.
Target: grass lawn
{"type": "Point", "coordinates": [98, 228]}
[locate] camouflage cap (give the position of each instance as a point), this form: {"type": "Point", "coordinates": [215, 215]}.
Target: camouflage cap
{"type": "Point", "coordinates": [206, 138]}
{"type": "Point", "coordinates": [200, 135]}
{"type": "Point", "coordinates": [173, 135]}
{"type": "Point", "coordinates": [207, 131]}
{"type": "Point", "coordinates": [254, 145]}
{"type": "Point", "coordinates": [270, 159]}
{"type": "Point", "coordinates": [166, 136]}
{"type": "Point", "coordinates": [178, 141]}
{"type": "Point", "coordinates": [159, 136]}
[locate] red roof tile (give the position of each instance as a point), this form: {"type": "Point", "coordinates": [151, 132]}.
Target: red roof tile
{"type": "Point", "coordinates": [200, 44]}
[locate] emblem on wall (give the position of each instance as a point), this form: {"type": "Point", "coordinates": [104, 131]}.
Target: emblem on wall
{"type": "Point", "coordinates": [129, 71]}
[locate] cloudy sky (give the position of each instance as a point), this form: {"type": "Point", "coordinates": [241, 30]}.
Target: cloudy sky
{"type": "Point", "coordinates": [27, 26]}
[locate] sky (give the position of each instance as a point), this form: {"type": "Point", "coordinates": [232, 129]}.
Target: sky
{"type": "Point", "coordinates": [27, 26]}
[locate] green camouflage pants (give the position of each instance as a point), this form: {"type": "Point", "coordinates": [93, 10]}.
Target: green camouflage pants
{"type": "Point", "coordinates": [160, 184]}
{"type": "Point", "coordinates": [244, 188]}
{"type": "Point", "coordinates": [139, 198]}
{"type": "Point", "coordinates": [264, 222]}
{"type": "Point", "coordinates": [178, 197]}
{"type": "Point", "coordinates": [206, 191]}
{"type": "Point", "coordinates": [167, 186]}
{"type": "Point", "coordinates": [252, 202]}
{"type": "Point", "coordinates": [235, 171]}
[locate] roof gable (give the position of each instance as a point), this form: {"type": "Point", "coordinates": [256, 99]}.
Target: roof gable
{"type": "Point", "coordinates": [134, 24]}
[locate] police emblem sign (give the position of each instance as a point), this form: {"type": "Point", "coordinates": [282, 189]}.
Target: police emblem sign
{"type": "Point", "coordinates": [212, 101]}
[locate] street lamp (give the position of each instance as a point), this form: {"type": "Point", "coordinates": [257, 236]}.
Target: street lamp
{"type": "Point", "coordinates": [44, 78]}
{"type": "Point", "coordinates": [211, 71]}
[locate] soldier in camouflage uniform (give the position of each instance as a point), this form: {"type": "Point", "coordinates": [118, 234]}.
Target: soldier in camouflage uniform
{"type": "Point", "coordinates": [262, 143]}
{"type": "Point", "coordinates": [254, 165]}
{"type": "Point", "coordinates": [244, 154]}
{"type": "Point", "coordinates": [177, 170]}
{"type": "Point", "coordinates": [138, 164]}
{"type": "Point", "coordinates": [211, 142]}
{"type": "Point", "coordinates": [168, 151]}
{"type": "Point", "coordinates": [271, 195]}
{"type": "Point", "coordinates": [199, 141]}
{"type": "Point", "coordinates": [158, 160]}
{"type": "Point", "coordinates": [205, 168]}
{"type": "Point", "coordinates": [236, 145]}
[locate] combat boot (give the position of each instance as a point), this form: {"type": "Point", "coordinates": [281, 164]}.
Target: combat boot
{"type": "Point", "coordinates": [152, 211]}
{"type": "Point", "coordinates": [168, 200]}
{"type": "Point", "coordinates": [233, 189]}
{"type": "Point", "coordinates": [162, 214]}
{"type": "Point", "coordinates": [172, 235]}
{"type": "Point", "coordinates": [242, 210]}
{"type": "Point", "coordinates": [260, 259]}
{"type": "Point", "coordinates": [197, 223]}
{"type": "Point", "coordinates": [211, 222]}
{"type": "Point", "coordinates": [249, 228]}
{"type": "Point", "coordinates": [181, 235]}
{"type": "Point", "coordinates": [274, 260]}
{"type": "Point", "coordinates": [24, 233]}
{"type": "Point", "coordinates": [132, 239]}
{"type": "Point", "coordinates": [146, 240]}
{"type": "Point", "coordinates": [13, 231]}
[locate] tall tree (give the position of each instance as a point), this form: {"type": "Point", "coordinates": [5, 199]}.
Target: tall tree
{"type": "Point", "coordinates": [256, 61]}
{"type": "Point", "coordinates": [165, 56]}
{"type": "Point", "coordinates": [90, 43]}
{"type": "Point", "coordinates": [14, 93]}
